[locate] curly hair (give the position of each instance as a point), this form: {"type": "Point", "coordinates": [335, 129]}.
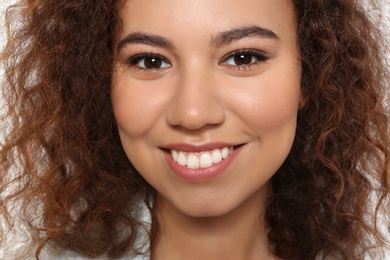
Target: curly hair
{"type": "Point", "coordinates": [62, 160]}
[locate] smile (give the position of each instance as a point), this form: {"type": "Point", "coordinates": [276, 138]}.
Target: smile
{"type": "Point", "coordinates": [204, 159]}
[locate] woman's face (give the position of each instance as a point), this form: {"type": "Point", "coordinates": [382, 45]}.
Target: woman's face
{"type": "Point", "coordinates": [205, 94]}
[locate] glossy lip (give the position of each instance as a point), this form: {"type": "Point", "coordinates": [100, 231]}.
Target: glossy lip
{"type": "Point", "coordinates": [201, 174]}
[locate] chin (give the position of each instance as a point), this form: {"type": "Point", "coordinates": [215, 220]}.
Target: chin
{"type": "Point", "coordinates": [207, 211]}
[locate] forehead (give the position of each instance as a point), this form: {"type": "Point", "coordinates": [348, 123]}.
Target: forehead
{"type": "Point", "coordinates": [179, 17]}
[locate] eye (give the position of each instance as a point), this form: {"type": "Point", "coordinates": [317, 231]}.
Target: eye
{"type": "Point", "coordinates": [244, 58]}
{"type": "Point", "coordinates": [241, 59]}
{"type": "Point", "coordinates": [149, 61]}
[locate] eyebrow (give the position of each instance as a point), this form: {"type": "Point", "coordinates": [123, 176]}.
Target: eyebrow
{"type": "Point", "coordinates": [226, 37]}
{"type": "Point", "coordinates": [222, 38]}
{"type": "Point", "coordinates": [147, 39]}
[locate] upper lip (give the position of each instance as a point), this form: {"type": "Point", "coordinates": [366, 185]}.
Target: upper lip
{"type": "Point", "coordinates": [197, 148]}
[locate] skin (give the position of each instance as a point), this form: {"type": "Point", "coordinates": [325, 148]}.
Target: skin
{"type": "Point", "coordinates": [199, 95]}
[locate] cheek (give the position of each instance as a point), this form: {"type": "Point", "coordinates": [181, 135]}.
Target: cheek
{"type": "Point", "coordinates": [269, 104]}
{"type": "Point", "coordinates": [135, 110]}
{"type": "Point", "coordinates": [279, 111]}
{"type": "Point", "coordinates": [136, 113]}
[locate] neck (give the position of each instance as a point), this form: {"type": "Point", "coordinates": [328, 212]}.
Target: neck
{"type": "Point", "coordinates": [239, 234]}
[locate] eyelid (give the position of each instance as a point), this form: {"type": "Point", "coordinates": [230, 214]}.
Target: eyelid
{"type": "Point", "coordinates": [260, 55]}
{"type": "Point", "coordinates": [133, 60]}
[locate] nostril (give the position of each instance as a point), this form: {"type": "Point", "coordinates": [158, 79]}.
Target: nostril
{"type": "Point", "coordinates": [194, 114]}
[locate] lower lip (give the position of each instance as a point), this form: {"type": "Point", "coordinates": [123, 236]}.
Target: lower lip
{"type": "Point", "coordinates": [201, 174]}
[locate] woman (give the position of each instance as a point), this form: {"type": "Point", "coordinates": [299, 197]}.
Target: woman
{"type": "Point", "coordinates": [249, 130]}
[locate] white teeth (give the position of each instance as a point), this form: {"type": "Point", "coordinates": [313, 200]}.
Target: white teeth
{"type": "Point", "coordinates": [225, 152]}
{"type": "Point", "coordinates": [181, 159]}
{"type": "Point", "coordinates": [216, 156]}
{"type": "Point", "coordinates": [192, 161]}
{"type": "Point", "coordinates": [202, 159]}
{"type": "Point", "coordinates": [205, 160]}
{"type": "Point", "coordinates": [174, 155]}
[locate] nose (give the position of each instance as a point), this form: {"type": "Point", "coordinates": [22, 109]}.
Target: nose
{"type": "Point", "coordinates": [196, 102]}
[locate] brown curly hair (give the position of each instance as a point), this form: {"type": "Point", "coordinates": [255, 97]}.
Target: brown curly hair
{"type": "Point", "coordinates": [62, 159]}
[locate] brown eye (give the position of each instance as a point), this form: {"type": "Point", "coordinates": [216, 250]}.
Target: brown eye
{"type": "Point", "coordinates": [149, 62]}
{"type": "Point", "coordinates": [243, 59]}
{"type": "Point", "coordinates": [152, 63]}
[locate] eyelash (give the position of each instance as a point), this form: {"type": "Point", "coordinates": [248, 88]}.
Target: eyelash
{"type": "Point", "coordinates": [259, 57]}
{"type": "Point", "coordinates": [253, 53]}
{"type": "Point", "coordinates": [136, 59]}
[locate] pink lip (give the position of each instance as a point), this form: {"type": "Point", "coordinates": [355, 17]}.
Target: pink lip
{"type": "Point", "coordinates": [201, 174]}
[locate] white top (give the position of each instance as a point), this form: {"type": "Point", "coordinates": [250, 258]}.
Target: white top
{"type": "Point", "coordinates": [18, 239]}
